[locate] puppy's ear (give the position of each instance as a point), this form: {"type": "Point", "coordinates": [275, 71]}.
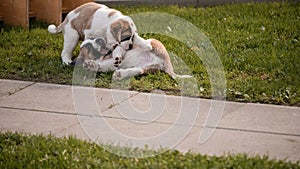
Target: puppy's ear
{"type": "Point", "coordinates": [81, 57]}
{"type": "Point", "coordinates": [116, 30]}
{"type": "Point", "coordinates": [120, 29]}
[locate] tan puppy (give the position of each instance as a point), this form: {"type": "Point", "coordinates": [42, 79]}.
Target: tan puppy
{"type": "Point", "coordinates": [137, 61]}
{"type": "Point", "coordinates": [93, 20]}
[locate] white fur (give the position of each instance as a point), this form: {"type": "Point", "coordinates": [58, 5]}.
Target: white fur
{"type": "Point", "coordinates": [52, 29]}
{"type": "Point", "coordinates": [100, 27]}
{"type": "Point", "coordinates": [136, 62]}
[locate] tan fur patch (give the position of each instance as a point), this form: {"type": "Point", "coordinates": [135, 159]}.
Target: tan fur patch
{"type": "Point", "coordinates": [112, 13]}
{"type": "Point", "coordinates": [84, 19]}
{"type": "Point", "coordinates": [84, 53]}
{"type": "Point", "coordinates": [159, 49]}
{"type": "Point", "coordinates": [120, 29]}
{"type": "Point", "coordinates": [62, 25]}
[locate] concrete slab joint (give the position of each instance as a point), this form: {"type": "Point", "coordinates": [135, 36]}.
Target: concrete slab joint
{"type": "Point", "coordinates": [10, 87]}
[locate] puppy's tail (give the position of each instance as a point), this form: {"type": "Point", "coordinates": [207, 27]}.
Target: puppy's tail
{"type": "Point", "coordinates": [175, 76]}
{"type": "Point", "coordinates": [54, 30]}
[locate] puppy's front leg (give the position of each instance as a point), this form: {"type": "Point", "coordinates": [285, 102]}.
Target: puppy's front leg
{"type": "Point", "coordinates": [117, 55]}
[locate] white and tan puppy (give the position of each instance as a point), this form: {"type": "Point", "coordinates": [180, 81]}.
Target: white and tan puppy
{"type": "Point", "coordinates": [137, 61]}
{"type": "Point", "coordinates": [93, 20]}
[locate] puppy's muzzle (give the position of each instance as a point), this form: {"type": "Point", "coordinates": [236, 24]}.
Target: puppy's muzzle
{"type": "Point", "coordinates": [129, 38]}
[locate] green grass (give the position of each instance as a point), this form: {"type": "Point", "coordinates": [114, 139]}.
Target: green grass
{"type": "Point", "coordinates": [35, 151]}
{"type": "Point", "coordinates": [258, 45]}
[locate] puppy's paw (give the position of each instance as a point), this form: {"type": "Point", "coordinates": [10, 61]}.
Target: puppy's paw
{"type": "Point", "coordinates": [90, 65]}
{"type": "Point", "coordinates": [118, 61]}
{"type": "Point", "coordinates": [119, 75]}
{"type": "Point", "coordinates": [66, 60]}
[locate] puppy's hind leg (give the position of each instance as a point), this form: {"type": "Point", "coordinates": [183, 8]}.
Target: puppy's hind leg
{"type": "Point", "coordinates": [121, 74]}
{"type": "Point", "coordinates": [131, 72]}
{"type": "Point", "coordinates": [141, 42]}
{"type": "Point", "coordinates": [70, 41]}
{"type": "Point", "coordinates": [169, 70]}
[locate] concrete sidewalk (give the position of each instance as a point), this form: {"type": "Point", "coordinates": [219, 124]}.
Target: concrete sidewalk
{"type": "Point", "coordinates": [244, 127]}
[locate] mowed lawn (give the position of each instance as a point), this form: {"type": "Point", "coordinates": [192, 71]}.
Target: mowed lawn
{"type": "Point", "coordinates": [258, 45]}
{"type": "Point", "coordinates": [37, 151]}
